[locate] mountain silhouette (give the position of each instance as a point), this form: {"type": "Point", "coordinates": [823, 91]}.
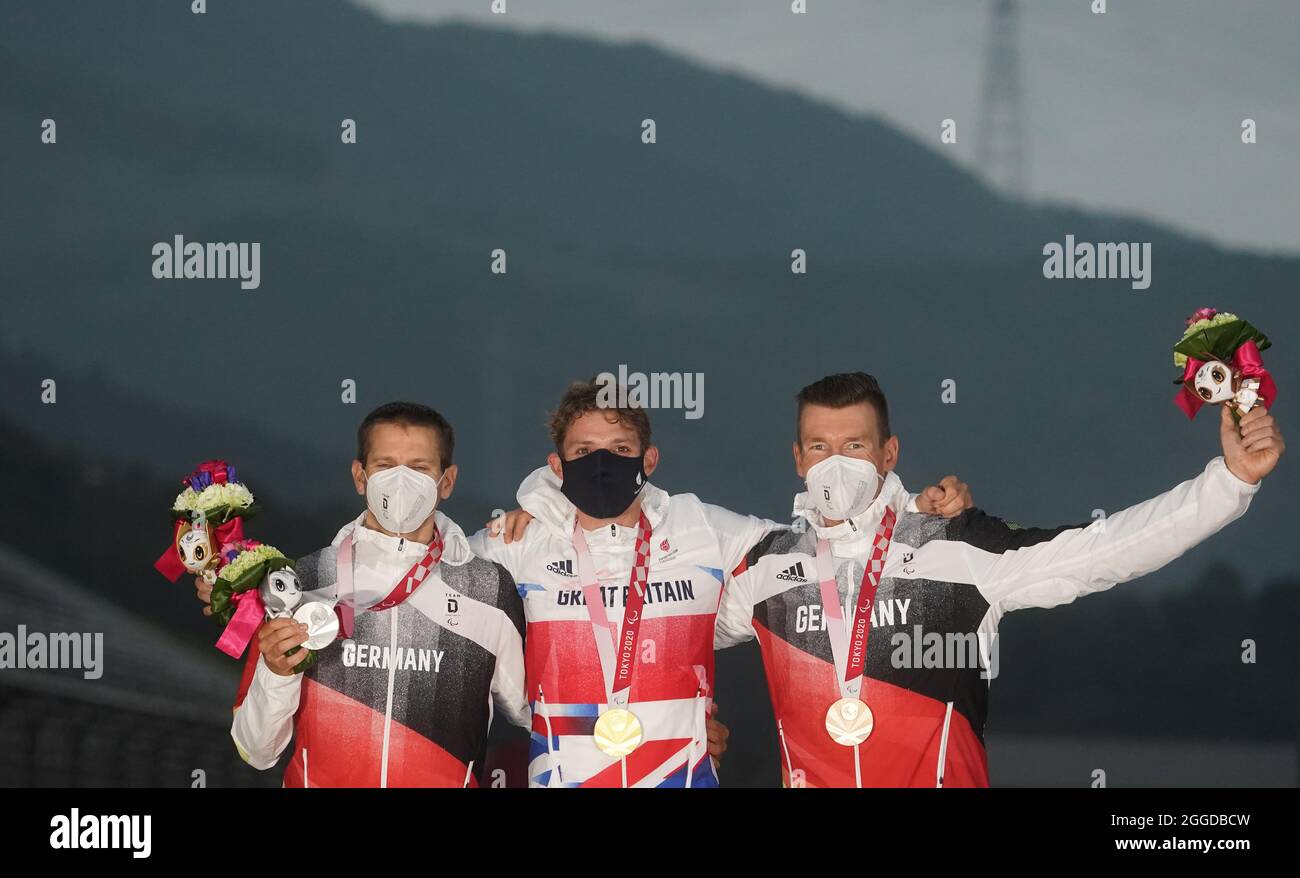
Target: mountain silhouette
{"type": "Point", "coordinates": [673, 256]}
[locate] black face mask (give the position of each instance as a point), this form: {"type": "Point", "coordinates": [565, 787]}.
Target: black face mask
{"type": "Point", "coordinates": [603, 484]}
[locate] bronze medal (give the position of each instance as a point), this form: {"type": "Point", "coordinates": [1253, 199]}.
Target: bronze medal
{"type": "Point", "coordinates": [849, 722]}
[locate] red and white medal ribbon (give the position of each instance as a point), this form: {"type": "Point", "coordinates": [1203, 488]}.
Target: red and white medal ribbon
{"type": "Point", "coordinates": [849, 644]}
{"type": "Point", "coordinates": [616, 647]}
{"type": "Point", "coordinates": [405, 587]}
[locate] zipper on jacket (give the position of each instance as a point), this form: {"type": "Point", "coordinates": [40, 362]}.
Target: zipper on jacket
{"type": "Point", "coordinates": [388, 704]}
{"type": "Point", "coordinates": [943, 747]}
{"type": "Point", "coordinates": [304, 768]}
{"type": "Point", "coordinates": [789, 766]}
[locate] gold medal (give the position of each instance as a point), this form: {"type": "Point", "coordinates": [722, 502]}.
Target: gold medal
{"type": "Point", "coordinates": [618, 732]}
{"type": "Point", "coordinates": [849, 722]}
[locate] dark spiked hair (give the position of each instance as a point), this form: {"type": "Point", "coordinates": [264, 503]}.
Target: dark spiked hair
{"type": "Point", "coordinates": [845, 389]}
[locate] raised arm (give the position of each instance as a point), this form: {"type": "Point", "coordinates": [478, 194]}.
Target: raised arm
{"type": "Point", "coordinates": [1034, 568]}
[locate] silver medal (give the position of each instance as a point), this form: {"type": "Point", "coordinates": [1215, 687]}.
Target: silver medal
{"type": "Point", "coordinates": [322, 624]}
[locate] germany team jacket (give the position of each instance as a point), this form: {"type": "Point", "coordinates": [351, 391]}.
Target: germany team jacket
{"type": "Point", "coordinates": [944, 587]}
{"type": "Point", "coordinates": [407, 700]}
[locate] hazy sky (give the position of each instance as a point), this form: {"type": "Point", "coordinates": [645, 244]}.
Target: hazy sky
{"type": "Point", "coordinates": [1138, 110]}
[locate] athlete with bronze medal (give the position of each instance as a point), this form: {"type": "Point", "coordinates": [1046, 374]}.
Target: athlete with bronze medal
{"type": "Point", "coordinates": [843, 487]}
{"type": "Point", "coordinates": [849, 721]}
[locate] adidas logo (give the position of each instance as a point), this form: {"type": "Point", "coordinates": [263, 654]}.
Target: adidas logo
{"type": "Point", "coordinates": [564, 568]}
{"type": "Point", "coordinates": [794, 574]}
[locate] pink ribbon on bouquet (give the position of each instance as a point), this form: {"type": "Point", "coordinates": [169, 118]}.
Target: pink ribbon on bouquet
{"type": "Point", "coordinates": [1245, 359]}
{"type": "Point", "coordinates": [249, 613]}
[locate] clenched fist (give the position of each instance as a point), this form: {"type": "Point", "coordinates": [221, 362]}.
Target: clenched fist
{"type": "Point", "coordinates": [950, 498]}
{"type": "Point", "coordinates": [277, 637]}
{"type": "Point", "coordinates": [1252, 446]}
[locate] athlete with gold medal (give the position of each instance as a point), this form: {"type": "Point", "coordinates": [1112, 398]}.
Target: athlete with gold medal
{"type": "Point", "coordinates": [618, 730]}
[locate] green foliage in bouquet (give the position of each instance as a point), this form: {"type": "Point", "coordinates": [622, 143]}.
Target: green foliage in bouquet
{"type": "Point", "coordinates": [305, 663]}
{"type": "Point", "coordinates": [1216, 338]}
{"type": "Point", "coordinates": [246, 571]}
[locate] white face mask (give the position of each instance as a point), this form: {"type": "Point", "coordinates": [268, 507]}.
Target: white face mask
{"type": "Point", "coordinates": [841, 487]}
{"type": "Point", "coordinates": [401, 498]}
